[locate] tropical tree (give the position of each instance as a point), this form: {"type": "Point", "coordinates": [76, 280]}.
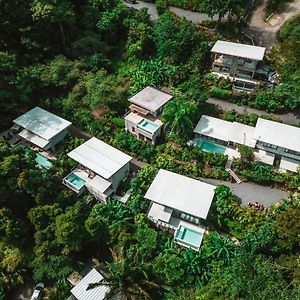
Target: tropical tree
{"type": "Point", "coordinates": [179, 116]}
{"type": "Point", "coordinates": [219, 247]}
{"type": "Point", "coordinates": [125, 279]}
{"type": "Point", "coordinates": [222, 8]}
{"type": "Point", "coordinates": [54, 11]}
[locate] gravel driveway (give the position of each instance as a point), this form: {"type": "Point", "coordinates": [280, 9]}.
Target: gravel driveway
{"type": "Point", "coordinates": [249, 192]}
{"type": "Point", "coordinates": [292, 118]}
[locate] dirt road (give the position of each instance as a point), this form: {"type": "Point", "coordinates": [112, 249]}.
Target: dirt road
{"type": "Point", "coordinates": [264, 33]}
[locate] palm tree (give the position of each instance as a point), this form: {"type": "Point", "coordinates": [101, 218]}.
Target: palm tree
{"type": "Point", "coordinates": [220, 247]}
{"type": "Point", "coordinates": [179, 115]}
{"type": "Point", "coordinates": [126, 280]}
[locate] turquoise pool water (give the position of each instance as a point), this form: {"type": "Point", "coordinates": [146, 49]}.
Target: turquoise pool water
{"type": "Point", "coordinates": [210, 147]}
{"type": "Point", "coordinates": [75, 181]}
{"type": "Point", "coordinates": [148, 126]}
{"type": "Point", "coordinates": [43, 161]}
{"type": "Point", "coordinates": [40, 159]}
{"type": "Point", "coordinates": [188, 236]}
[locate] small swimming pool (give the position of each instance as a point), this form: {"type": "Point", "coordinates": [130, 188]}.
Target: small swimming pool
{"type": "Point", "coordinates": [148, 126]}
{"type": "Point", "coordinates": [40, 159]}
{"type": "Point", "coordinates": [210, 147]}
{"type": "Point", "coordinates": [75, 181]}
{"type": "Point", "coordinates": [189, 237]}
{"type": "Point", "coordinates": [43, 161]}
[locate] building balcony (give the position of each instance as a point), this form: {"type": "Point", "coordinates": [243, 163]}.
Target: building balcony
{"type": "Point", "coordinates": [182, 226]}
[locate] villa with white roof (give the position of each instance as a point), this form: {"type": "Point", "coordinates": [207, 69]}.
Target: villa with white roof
{"type": "Point", "coordinates": [81, 291]}
{"type": "Point", "coordinates": [270, 140]}
{"type": "Point", "coordinates": [42, 128]}
{"type": "Point", "coordinates": [101, 169]}
{"type": "Point", "coordinates": [142, 120]}
{"type": "Point", "coordinates": [280, 139]}
{"type": "Point", "coordinates": [237, 62]}
{"type": "Point", "coordinates": [178, 204]}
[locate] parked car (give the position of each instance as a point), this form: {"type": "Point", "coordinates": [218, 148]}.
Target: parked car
{"type": "Point", "coordinates": [37, 293]}
{"type": "Point", "coordinates": [130, 1]}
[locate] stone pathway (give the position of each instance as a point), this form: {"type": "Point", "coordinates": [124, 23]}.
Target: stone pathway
{"type": "Point", "coordinates": [249, 192]}
{"type": "Point", "coordinates": [292, 118]}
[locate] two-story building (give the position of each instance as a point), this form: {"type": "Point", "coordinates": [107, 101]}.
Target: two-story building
{"type": "Point", "coordinates": [237, 62]}
{"type": "Point", "coordinates": [142, 120]}
{"type": "Point", "coordinates": [41, 128]}
{"type": "Point", "coordinates": [101, 169]}
{"type": "Point", "coordinates": [270, 140]}
{"type": "Point", "coordinates": [179, 204]}
{"type": "Point", "coordinates": [280, 139]}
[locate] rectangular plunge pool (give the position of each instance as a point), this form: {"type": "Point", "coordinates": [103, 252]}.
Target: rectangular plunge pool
{"type": "Point", "coordinates": [189, 237]}
{"type": "Point", "coordinates": [74, 181]}
{"type": "Point", "coordinates": [148, 126]}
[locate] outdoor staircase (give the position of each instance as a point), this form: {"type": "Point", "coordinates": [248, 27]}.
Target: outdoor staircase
{"type": "Point", "coordinates": [232, 174]}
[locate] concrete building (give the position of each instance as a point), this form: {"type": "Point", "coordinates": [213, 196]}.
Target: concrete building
{"type": "Point", "coordinates": [237, 62]}
{"type": "Point", "coordinates": [178, 204]}
{"type": "Point", "coordinates": [42, 128]}
{"type": "Point", "coordinates": [101, 169]}
{"type": "Point", "coordinates": [142, 120]}
{"type": "Point", "coordinates": [270, 140]}
{"type": "Point", "coordinates": [280, 139]}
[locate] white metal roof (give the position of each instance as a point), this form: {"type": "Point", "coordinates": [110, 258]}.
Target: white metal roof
{"type": "Point", "coordinates": [100, 157]}
{"type": "Point", "coordinates": [33, 138]}
{"type": "Point", "coordinates": [242, 134]}
{"type": "Point", "coordinates": [150, 98]}
{"type": "Point", "coordinates": [42, 123]}
{"type": "Point", "coordinates": [278, 134]}
{"type": "Point", "coordinates": [240, 50]}
{"type": "Point", "coordinates": [213, 127]}
{"type": "Point", "coordinates": [160, 212]}
{"type": "Point", "coordinates": [98, 293]}
{"type": "Point", "coordinates": [181, 193]}
{"type": "Point", "coordinates": [99, 184]}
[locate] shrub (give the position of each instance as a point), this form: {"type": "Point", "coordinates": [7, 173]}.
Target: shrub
{"type": "Point", "coordinates": [161, 6]}
{"type": "Point", "coordinates": [119, 122]}
{"type": "Point", "coordinates": [219, 93]}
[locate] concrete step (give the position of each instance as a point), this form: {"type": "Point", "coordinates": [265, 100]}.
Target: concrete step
{"type": "Point", "coordinates": [235, 177]}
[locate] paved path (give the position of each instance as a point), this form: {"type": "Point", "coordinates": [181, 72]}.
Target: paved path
{"type": "Point", "coordinates": [250, 192]}
{"type": "Point", "coordinates": [292, 118]}
{"type": "Point", "coordinates": [152, 11]}
{"type": "Point", "coordinates": [189, 15]}
{"type": "Point", "coordinates": [265, 33]}
{"type": "Point", "coordinates": [195, 17]}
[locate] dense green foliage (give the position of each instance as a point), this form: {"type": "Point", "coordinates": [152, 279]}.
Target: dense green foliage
{"type": "Point", "coordinates": [82, 60]}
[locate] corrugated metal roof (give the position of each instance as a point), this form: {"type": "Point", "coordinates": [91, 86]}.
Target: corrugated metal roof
{"type": "Point", "coordinates": [150, 98]}
{"type": "Point", "coordinates": [42, 123]}
{"type": "Point", "coordinates": [239, 50]}
{"type": "Point", "coordinates": [278, 134]}
{"type": "Point", "coordinates": [242, 134]}
{"type": "Point", "coordinates": [98, 293]}
{"type": "Point", "coordinates": [181, 193]}
{"type": "Point", "coordinates": [98, 183]}
{"type": "Point", "coordinates": [33, 138]}
{"type": "Point", "coordinates": [213, 127]}
{"type": "Point", "coordinates": [100, 157]}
